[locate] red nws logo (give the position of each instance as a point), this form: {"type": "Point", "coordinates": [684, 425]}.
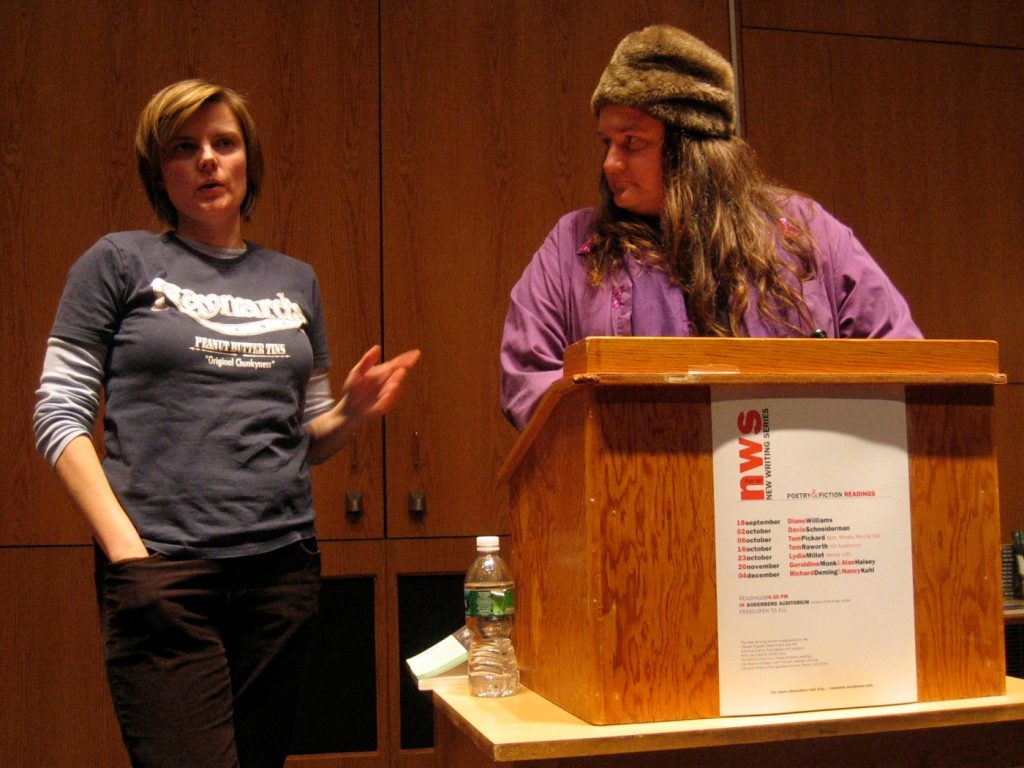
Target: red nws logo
{"type": "Point", "coordinates": [751, 456]}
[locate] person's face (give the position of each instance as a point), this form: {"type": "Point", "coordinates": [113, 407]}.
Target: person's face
{"type": "Point", "coordinates": [204, 172]}
{"type": "Point", "coordinates": [632, 161]}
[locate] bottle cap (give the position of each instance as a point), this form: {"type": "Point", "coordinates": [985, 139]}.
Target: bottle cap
{"type": "Point", "coordinates": [487, 543]}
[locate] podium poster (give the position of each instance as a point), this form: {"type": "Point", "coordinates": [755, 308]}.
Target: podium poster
{"type": "Point", "coordinates": [813, 547]}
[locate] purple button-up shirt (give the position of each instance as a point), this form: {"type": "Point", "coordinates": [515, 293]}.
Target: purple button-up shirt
{"type": "Point", "coordinates": [553, 305]}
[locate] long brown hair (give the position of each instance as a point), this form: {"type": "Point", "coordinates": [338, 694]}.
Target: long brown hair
{"type": "Point", "coordinates": [716, 237]}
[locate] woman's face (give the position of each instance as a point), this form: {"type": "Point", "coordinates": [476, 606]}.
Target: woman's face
{"type": "Point", "coordinates": [632, 161]}
{"type": "Point", "coordinates": [204, 175]}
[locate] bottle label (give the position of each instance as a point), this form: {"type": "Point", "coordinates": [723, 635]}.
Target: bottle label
{"type": "Point", "coordinates": [482, 603]}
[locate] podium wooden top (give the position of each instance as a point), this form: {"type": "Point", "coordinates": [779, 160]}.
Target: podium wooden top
{"type": "Point", "coordinates": [709, 360]}
{"type": "Point", "coordinates": [637, 360]}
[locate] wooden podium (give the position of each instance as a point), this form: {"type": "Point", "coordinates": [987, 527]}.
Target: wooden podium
{"type": "Point", "coordinates": [628, 427]}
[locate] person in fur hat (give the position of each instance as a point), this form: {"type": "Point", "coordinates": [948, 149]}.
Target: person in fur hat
{"type": "Point", "coordinates": [690, 238]}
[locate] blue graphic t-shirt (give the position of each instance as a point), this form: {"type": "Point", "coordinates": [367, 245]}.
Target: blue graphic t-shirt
{"type": "Point", "coordinates": [204, 381]}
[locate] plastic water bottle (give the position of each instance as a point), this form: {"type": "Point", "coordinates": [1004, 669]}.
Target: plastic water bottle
{"type": "Point", "coordinates": [490, 596]}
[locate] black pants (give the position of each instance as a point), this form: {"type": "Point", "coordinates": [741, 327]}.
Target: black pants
{"type": "Point", "coordinates": [205, 658]}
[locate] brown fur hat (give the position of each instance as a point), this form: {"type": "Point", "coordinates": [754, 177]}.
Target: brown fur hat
{"type": "Point", "coordinates": [672, 76]}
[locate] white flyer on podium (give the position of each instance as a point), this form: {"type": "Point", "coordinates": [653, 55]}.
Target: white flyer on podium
{"type": "Point", "coordinates": [813, 545]}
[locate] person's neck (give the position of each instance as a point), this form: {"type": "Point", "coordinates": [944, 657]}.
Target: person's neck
{"type": "Point", "coordinates": [218, 237]}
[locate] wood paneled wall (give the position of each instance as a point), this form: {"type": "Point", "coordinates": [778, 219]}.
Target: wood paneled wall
{"type": "Point", "coordinates": [418, 152]}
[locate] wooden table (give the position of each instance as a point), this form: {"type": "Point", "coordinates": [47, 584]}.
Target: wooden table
{"type": "Point", "coordinates": [1013, 611]}
{"type": "Point", "coordinates": [528, 730]}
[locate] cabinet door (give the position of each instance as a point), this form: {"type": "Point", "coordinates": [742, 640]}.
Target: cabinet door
{"type": "Point", "coordinates": [322, 205]}
{"type": "Point", "coordinates": [53, 692]}
{"type": "Point", "coordinates": [342, 720]}
{"type": "Point", "coordinates": [310, 72]}
{"type": "Point", "coordinates": [424, 605]}
{"type": "Point", "coordinates": [487, 139]}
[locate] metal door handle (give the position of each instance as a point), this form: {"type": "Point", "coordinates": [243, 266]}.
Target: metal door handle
{"type": "Point", "coordinates": [417, 503]}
